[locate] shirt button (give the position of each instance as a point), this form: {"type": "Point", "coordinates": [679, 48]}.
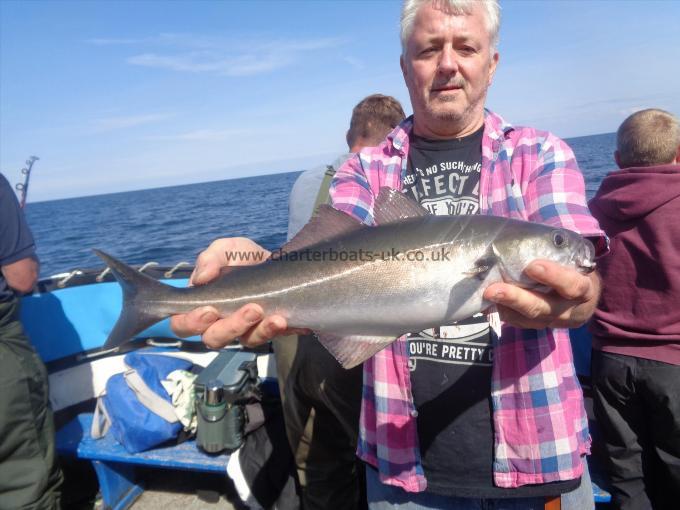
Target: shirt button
{"type": "Point", "coordinates": [414, 413]}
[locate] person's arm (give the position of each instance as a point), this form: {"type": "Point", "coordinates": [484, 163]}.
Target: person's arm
{"type": "Point", "coordinates": [18, 262]}
{"type": "Point", "coordinates": [554, 193]}
{"type": "Point", "coordinates": [350, 191]}
{"type": "Point", "coordinates": [21, 275]}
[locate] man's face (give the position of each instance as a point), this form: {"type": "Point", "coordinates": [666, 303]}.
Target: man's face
{"type": "Point", "coordinates": [448, 67]}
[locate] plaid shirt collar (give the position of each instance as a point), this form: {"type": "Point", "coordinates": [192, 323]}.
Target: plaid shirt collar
{"type": "Point", "coordinates": [495, 129]}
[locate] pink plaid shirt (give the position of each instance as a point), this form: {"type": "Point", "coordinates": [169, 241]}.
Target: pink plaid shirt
{"type": "Point", "coordinates": [540, 424]}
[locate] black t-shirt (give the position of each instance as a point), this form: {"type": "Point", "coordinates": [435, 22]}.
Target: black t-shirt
{"type": "Point", "coordinates": [451, 366]}
{"type": "Point", "coordinates": [443, 175]}
{"type": "Point", "coordinates": [16, 241]}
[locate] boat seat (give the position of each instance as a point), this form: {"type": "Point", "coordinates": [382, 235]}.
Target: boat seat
{"type": "Point", "coordinates": [599, 494]}
{"type": "Point", "coordinates": [115, 467]}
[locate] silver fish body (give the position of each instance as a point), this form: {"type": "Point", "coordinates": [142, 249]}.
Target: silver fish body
{"type": "Point", "coordinates": [361, 287]}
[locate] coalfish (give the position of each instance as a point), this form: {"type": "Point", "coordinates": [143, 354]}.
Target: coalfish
{"type": "Point", "coordinates": [359, 287]}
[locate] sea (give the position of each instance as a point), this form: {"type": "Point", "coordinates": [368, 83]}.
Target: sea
{"type": "Point", "coordinates": [174, 224]}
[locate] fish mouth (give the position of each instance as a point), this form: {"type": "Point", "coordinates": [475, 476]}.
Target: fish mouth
{"type": "Point", "coordinates": [584, 257]}
{"type": "Point", "coordinates": [586, 266]}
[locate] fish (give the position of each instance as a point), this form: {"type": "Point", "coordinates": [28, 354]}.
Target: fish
{"type": "Point", "coordinates": [359, 287]}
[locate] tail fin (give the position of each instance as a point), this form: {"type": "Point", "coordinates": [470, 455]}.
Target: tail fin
{"type": "Point", "coordinates": [138, 290]}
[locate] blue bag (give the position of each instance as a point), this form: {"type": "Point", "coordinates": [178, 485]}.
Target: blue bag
{"type": "Point", "coordinates": [135, 404]}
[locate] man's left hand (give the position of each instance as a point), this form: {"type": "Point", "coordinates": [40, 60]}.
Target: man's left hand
{"type": "Point", "coordinates": [569, 304]}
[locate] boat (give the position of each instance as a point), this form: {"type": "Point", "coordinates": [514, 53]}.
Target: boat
{"type": "Point", "coordinates": [68, 318]}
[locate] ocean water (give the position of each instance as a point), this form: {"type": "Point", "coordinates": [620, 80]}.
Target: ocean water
{"type": "Point", "coordinates": [173, 224]}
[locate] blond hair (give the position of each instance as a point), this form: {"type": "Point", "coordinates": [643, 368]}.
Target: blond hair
{"type": "Point", "coordinates": [648, 137]}
{"type": "Point", "coordinates": [373, 118]}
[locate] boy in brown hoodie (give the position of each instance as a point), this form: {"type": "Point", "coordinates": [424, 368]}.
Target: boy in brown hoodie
{"type": "Point", "coordinates": [636, 327]}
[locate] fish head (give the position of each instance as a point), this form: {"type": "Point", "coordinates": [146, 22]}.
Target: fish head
{"type": "Point", "coordinates": [520, 243]}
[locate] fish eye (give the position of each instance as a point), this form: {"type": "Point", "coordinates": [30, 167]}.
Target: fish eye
{"type": "Point", "coordinates": [559, 239]}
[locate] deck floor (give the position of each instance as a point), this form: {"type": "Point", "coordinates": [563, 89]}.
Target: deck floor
{"type": "Point", "coordinates": [169, 490]}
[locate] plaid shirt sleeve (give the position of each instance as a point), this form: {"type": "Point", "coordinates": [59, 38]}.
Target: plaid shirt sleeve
{"type": "Point", "coordinates": [350, 191]}
{"type": "Point", "coordinates": [543, 441]}
{"type": "Point", "coordinates": [554, 190]}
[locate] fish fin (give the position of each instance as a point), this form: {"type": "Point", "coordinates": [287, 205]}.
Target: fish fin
{"type": "Point", "coordinates": [327, 223]}
{"type": "Point", "coordinates": [137, 314]}
{"type": "Point", "coordinates": [353, 350]}
{"type": "Point", "coordinates": [392, 206]}
{"type": "Point", "coordinates": [479, 270]}
{"type": "Point", "coordinates": [483, 264]}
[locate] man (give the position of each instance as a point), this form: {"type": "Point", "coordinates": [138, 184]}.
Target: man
{"type": "Point", "coordinates": [426, 431]}
{"type": "Point", "coordinates": [321, 400]}
{"type": "Point", "coordinates": [636, 326]}
{"type": "Point", "coordinates": [29, 475]}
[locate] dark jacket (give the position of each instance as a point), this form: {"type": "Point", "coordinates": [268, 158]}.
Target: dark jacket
{"type": "Point", "coordinates": [639, 312]}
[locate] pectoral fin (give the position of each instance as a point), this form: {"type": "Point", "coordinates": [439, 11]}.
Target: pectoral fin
{"type": "Point", "coordinates": [482, 265]}
{"type": "Point", "coordinates": [351, 351]}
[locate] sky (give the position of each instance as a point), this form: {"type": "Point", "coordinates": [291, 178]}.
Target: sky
{"type": "Point", "coordinates": [123, 95]}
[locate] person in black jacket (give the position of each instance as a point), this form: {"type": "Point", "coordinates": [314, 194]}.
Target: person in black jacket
{"type": "Point", "coordinates": [29, 475]}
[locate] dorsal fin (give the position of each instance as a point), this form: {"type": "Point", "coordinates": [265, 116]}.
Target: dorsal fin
{"type": "Point", "coordinates": [392, 206]}
{"type": "Point", "coordinates": [327, 223]}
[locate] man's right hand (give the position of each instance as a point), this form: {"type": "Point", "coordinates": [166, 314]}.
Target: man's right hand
{"type": "Point", "coordinates": [248, 323]}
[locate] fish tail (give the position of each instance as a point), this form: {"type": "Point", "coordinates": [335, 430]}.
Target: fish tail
{"type": "Point", "coordinates": [138, 312]}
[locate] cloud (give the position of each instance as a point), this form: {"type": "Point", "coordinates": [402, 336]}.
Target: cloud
{"type": "Point", "coordinates": [163, 40]}
{"type": "Point", "coordinates": [201, 135]}
{"type": "Point", "coordinates": [123, 122]}
{"type": "Point", "coordinates": [103, 41]}
{"type": "Point", "coordinates": [223, 56]}
{"type": "Point", "coordinates": [243, 65]}
{"type": "Point", "coordinates": [619, 100]}
{"type": "Point", "coordinates": [631, 110]}
{"type": "Point", "coordinates": [355, 63]}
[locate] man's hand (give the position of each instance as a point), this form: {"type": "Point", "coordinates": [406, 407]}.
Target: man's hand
{"type": "Point", "coordinates": [248, 323]}
{"type": "Point", "coordinates": [570, 304]}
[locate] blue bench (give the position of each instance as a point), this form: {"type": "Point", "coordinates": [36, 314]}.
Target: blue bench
{"type": "Point", "coordinates": [115, 467]}
{"type": "Point", "coordinates": [600, 495]}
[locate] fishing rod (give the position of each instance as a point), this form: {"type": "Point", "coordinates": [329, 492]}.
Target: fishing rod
{"type": "Point", "coordinates": [23, 187]}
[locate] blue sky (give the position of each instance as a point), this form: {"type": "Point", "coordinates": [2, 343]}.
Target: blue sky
{"type": "Point", "coordinates": [116, 96]}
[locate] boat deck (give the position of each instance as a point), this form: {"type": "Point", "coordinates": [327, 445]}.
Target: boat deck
{"type": "Point", "coordinates": [178, 476]}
